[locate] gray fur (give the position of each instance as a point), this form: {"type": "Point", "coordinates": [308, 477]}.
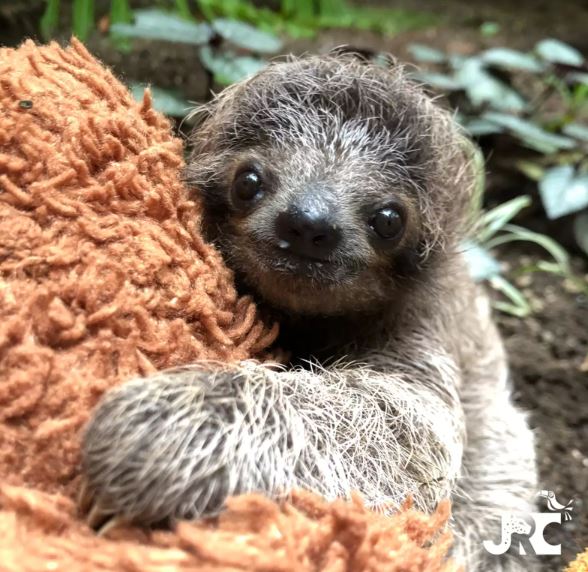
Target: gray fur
{"type": "Point", "coordinates": [405, 388]}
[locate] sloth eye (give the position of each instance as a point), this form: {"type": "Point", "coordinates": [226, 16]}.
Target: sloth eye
{"type": "Point", "coordinates": [387, 223]}
{"type": "Point", "coordinates": [246, 186]}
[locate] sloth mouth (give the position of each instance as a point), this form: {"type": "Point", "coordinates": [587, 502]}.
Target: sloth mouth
{"type": "Point", "coordinates": [264, 261]}
{"type": "Point", "coordinates": [285, 262]}
{"type": "Point", "coordinates": [330, 272]}
{"type": "Point", "coordinates": [293, 283]}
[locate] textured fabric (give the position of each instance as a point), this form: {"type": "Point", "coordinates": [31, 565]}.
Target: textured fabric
{"type": "Point", "coordinates": [104, 276]}
{"type": "Point", "coordinates": [580, 564]}
{"type": "Point", "coordinates": [103, 272]}
{"type": "Point", "coordinates": [38, 532]}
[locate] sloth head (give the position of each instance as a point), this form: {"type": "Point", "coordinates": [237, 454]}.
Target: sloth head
{"type": "Point", "coordinates": [330, 184]}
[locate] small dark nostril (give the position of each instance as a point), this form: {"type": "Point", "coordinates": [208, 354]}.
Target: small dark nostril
{"type": "Point", "coordinates": [318, 240]}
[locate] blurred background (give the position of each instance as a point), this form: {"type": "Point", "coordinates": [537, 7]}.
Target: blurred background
{"type": "Point", "coordinates": [515, 74]}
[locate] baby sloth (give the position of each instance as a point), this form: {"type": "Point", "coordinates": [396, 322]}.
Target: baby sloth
{"type": "Point", "coordinates": [339, 194]}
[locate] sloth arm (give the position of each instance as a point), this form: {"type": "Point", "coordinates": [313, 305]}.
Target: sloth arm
{"type": "Point", "coordinates": [177, 444]}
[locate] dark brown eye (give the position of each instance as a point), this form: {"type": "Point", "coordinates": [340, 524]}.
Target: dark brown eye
{"type": "Point", "coordinates": [246, 186]}
{"type": "Point", "coordinates": [387, 223]}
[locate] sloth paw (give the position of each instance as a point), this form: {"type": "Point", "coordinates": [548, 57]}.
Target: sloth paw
{"type": "Point", "coordinates": [157, 448]}
{"type": "Point", "coordinates": [175, 446]}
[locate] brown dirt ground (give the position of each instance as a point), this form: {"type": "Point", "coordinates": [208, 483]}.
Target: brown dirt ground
{"type": "Point", "coordinates": [546, 353]}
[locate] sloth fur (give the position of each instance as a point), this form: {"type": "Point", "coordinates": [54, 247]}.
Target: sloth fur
{"type": "Point", "coordinates": [398, 383]}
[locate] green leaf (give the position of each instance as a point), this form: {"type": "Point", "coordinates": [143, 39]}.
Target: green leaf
{"type": "Point", "coordinates": [207, 8]}
{"type": "Point", "coordinates": [481, 264]}
{"type": "Point", "coordinates": [576, 130]}
{"type": "Point", "coordinates": [489, 29]}
{"type": "Point", "coordinates": [512, 60]}
{"type": "Point", "coordinates": [581, 231]}
{"type": "Point", "coordinates": [183, 9]}
{"type": "Point", "coordinates": [50, 18]}
{"type": "Point", "coordinates": [495, 219]}
{"type": "Point", "coordinates": [515, 233]}
{"type": "Point", "coordinates": [168, 102]}
{"type": "Point", "coordinates": [456, 61]}
{"type": "Point", "coordinates": [299, 9]}
{"type": "Point", "coordinates": [332, 7]}
{"type": "Point", "coordinates": [517, 305]}
{"type": "Point", "coordinates": [228, 68]}
{"type": "Point", "coordinates": [549, 267]}
{"type": "Point", "coordinates": [246, 36]}
{"type": "Point", "coordinates": [423, 53]}
{"type": "Point", "coordinates": [438, 80]}
{"type": "Point", "coordinates": [83, 18]}
{"type": "Point", "coordinates": [531, 170]}
{"type": "Point", "coordinates": [295, 29]}
{"type": "Point", "coordinates": [558, 52]}
{"type": "Point", "coordinates": [579, 77]}
{"type": "Point", "coordinates": [563, 192]}
{"type": "Point", "coordinates": [479, 127]}
{"type": "Point", "coordinates": [481, 87]}
{"type": "Point", "coordinates": [120, 12]}
{"type": "Point", "coordinates": [160, 25]}
{"type": "Point", "coordinates": [530, 134]}
{"type": "Point", "coordinates": [478, 161]}
{"type": "Point", "coordinates": [388, 21]}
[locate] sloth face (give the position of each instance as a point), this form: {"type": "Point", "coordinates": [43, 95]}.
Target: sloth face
{"type": "Point", "coordinates": [320, 183]}
{"type": "Point", "coordinates": [313, 235]}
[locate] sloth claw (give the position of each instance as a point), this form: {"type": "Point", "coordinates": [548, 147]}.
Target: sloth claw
{"type": "Point", "coordinates": [96, 516]}
{"type": "Point", "coordinates": [85, 497]}
{"type": "Point", "coordinates": [112, 524]}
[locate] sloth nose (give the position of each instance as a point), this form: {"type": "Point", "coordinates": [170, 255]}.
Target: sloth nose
{"type": "Point", "coordinates": [308, 230]}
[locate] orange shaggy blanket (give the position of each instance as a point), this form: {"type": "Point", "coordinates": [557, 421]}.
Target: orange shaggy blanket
{"type": "Point", "coordinates": [104, 276]}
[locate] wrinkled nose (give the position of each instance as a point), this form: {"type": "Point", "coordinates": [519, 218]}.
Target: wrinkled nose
{"type": "Point", "coordinates": [308, 230]}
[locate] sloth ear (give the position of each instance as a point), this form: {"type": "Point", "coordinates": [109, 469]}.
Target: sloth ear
{"type": "Point", "coordinates": [364, 55]}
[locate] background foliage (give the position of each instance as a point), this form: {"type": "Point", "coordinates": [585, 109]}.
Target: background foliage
{"type": "Point", "coordinates": [535, 104]}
